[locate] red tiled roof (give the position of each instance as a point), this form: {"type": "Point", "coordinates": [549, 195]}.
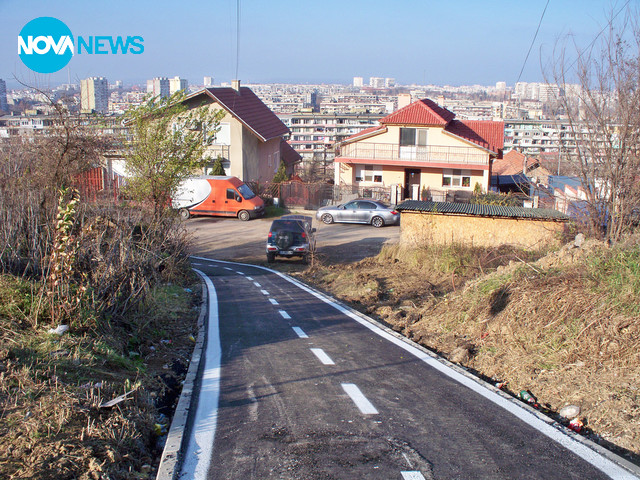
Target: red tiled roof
{"type": "Point", "coordinates": [288, 155]}
{"type": "Point", "coordinates": [421, 112]}
{"type": "Point", "coordinates": [366, 132]}
{"type": "Point", "coordinates": [486, 133]}
{"type": "Point", "coordinates": [512, 163]}
{"type": "Point", "coordinates": [249, 109]}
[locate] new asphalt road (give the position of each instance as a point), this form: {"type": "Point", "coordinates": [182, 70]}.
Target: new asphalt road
{"type": "Point", "coordinates": [295, 386]}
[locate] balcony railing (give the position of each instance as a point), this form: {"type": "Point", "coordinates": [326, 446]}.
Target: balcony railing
{"type": "Point", "coordinates": [417, 153]}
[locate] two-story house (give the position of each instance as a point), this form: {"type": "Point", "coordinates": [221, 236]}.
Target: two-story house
{"type": "Point", "coordinates": [250, 139]}
{"type": "Point", "coordinates": [422, 149]}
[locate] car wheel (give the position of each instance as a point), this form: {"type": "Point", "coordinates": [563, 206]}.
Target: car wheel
{"type": "Point", "coordinates": [377, 222]}
{"type": "Point", "coordinates": [184, 213]}
{"type": "Point", "coordinates": [244, 215]}
{"type": "Point", "coordinates": [327, 218]}
{"type": "Point", "coordinates": [271, 257]}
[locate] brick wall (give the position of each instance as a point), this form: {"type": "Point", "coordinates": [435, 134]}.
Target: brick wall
{"type": "Point", "coordinates": [418, 229]}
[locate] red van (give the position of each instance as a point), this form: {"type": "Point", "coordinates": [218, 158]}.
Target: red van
{"type": "Point", "coordinates": [217, 196]}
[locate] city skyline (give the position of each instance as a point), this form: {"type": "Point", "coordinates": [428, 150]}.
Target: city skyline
{"type": "Point", "coordinates": [415, 42]}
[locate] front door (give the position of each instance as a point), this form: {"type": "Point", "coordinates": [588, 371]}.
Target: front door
{"type": "Point", "coordinates": [411, 177]}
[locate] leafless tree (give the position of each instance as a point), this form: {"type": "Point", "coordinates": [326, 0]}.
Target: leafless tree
{"type": "Point", "coordinates": [600, 97]}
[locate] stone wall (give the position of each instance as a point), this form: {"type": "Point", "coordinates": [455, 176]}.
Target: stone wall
{"type": "Point", "coordinates": [419, 229]}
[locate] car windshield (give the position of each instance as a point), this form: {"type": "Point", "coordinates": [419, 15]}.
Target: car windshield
{"type": "Point", "coordinates": [246, 192]}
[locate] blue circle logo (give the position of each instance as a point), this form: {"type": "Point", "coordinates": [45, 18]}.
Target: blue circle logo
{"type": "Point", "coordinates": [45, 45]}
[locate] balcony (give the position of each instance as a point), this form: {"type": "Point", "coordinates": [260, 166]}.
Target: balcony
{"type": "Point", "coordinates": [416, 153]}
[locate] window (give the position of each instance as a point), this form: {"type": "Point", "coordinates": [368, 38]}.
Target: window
{"type": "Point", "coordinates": [223, 136]}
{"type": "Point", "coordinates": [367, 173]}
{"type": "Point", "coordinates": [456, 178]}
{"type": "Point", "coordinates": [232, 194]}
{"type": "Point", "coordinates": [413, 136]}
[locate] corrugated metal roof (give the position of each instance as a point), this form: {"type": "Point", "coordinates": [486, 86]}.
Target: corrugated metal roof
{"type": "Point", "coordinates": [480, 210]}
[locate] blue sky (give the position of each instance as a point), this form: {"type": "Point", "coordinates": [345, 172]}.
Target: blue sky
{"type": "Point", "coordinates": [460, 42]}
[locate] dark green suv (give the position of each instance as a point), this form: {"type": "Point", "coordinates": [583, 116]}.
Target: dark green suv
{"type": "Point", "coordinates": [291, 236]}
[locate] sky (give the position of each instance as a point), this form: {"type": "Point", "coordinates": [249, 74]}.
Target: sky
{"type": "Point", "coordinates": [461, 42]}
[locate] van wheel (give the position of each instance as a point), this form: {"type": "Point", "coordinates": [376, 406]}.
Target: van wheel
{"type": "Point", "coordinates": [244, 215]}
{"type": "Point", "coordinates": [184, 213]}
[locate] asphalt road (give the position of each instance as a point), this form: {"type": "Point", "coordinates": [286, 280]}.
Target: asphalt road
{"type": "Point", "coordinates": [232, 239]}
{"type": "Point", "coordinates": [310, 391]}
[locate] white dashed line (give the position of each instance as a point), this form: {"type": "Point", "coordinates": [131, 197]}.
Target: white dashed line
{"type": "Point", "coordinates": [257, 284]}
{"type": "Point", "coordinates": [230, 269]}
{"type": "Point", "coordinates": [323, 357]}
{"type": "Point", "coordinates": [300, 332]}
{"type": "Point", "coordinates": [359, 399]}
{"type": "Point", "coordinates": [274, 301]}
{"type": "Point", "coordinates": [285, 315]}
{"type": "Point", "coordinates": [249, 278]}
{"type": "Point", "coordinates": [199, 264]}
{"type": "Point", "coordinates": [264, 292]}
{"type": "Point", "coordinates": [412, 476]}
{"type": "Point", "coordinates": [239, 273]}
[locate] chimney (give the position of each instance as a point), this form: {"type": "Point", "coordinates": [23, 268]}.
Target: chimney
{"type": "Point", "coordinates": [235, 84]}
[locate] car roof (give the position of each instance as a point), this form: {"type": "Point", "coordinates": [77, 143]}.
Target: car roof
{"type": "Point", "coordinates": [302, 218]}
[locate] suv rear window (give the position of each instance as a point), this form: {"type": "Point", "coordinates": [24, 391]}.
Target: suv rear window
{"type": "Point", "coordinates": [289, 225]}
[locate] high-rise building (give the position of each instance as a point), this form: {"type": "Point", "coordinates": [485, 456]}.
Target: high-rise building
{"type": "Point", "coordinates": [3, 96]}
{"type": "Point", "coordinates": [358, 82]}
{"type": "Point", "coordinates": [176, 84]}
{"type": "Point", "coordinates": [158, 86]}
{"type": "Point", "coordinates": [94, 95]}
{"type": "Point", "coordinates": [376, 82]}
{"type": "Point", "coordinates": [389, 82]}
{"type": "Point", "coordinates": [208, 81]}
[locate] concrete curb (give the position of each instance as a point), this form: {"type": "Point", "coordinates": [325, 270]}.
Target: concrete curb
{"type": "Point", "coordinates": [171, 460]}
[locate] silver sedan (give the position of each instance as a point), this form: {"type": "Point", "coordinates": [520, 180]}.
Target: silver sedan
{"type": "Point", "coordinates": [359, 211]}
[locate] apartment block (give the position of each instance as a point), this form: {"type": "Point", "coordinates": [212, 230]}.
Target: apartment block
{"type": "Point", "coordinates": [3, 96]}
{"type": "Point", "coordinates": [176, 84]}
{"type": "Point", "coordinates": [159, 86]}
{"type": "Point", "coordinates": [94, 95]}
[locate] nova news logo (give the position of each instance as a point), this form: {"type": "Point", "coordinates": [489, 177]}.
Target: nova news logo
{"type": "Point", "coordinates": [46, 45]}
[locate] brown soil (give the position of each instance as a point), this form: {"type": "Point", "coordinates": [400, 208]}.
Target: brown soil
{"type": "Point", "coordinates": [543, 326]}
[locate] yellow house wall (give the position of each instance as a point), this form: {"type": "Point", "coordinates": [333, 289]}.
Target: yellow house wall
{"type": "Point", "coordinates": [422, 229]}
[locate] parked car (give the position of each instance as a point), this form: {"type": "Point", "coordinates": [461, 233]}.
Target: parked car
{"type": "Point", "coordinates": [359, 211]}
{"type": "Point", "coordinates": [291, 236]}
{"type": "Point", "coordinates": [217, 196]}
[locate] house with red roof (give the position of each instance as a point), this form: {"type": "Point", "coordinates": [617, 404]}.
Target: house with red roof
{"type": "Point", "coordinates": [422, 148]}
{"type": "Point", "coordinates": [250, 139]}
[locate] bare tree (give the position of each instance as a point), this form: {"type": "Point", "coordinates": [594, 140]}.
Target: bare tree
{"type": "Point", "coordinates": [600, 97]}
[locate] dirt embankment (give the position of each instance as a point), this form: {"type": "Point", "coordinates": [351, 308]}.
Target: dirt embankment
{"type": "Point", "coordinates": [563, 327]}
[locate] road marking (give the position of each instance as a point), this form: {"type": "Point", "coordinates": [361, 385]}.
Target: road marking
{"type": "Point", "coordinates": [285, 315]}
{"type": "Point", "coordinates": [257, 284]}
{"type": "Point", "coordinates": [274, 301]}
{"type": "Point", "coordinates": [300, 332]}
{"type": "Point", "coordinates": [230, 269]}
{"type": "Point", "coordinates": [249, 278]}
{"type": "Point", "coordinates": [359, 399]}
{"type": "Point", "coordinates": [323, 357]}
{"type": "Point", "coordinates": [199, 264]}
{"type": "Point", "coordinates": [264, 292]}
{"type": "Point", "coordinates": [412, 476]}
{"type": "Point", "coordinates": [239, 273]}
{"type": "Point", "coordinates": [200, 444]}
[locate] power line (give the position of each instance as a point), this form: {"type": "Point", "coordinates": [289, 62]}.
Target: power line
{"type": "Point", "coordinates": [237, 37]}
{"type": "Point", "coordinates": [533, 41]}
